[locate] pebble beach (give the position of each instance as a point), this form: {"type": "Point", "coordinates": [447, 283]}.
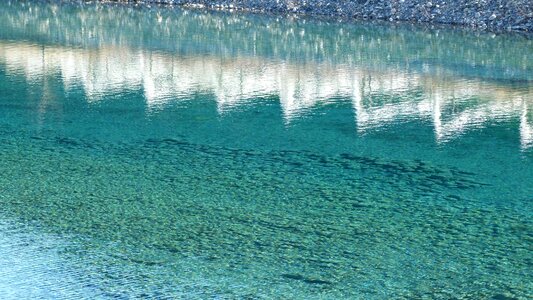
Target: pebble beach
{"type": "Point", "coordinates": [491, 15]}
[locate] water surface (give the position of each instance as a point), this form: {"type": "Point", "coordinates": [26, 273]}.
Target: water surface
{"type": "Point", "coordinates": [150, 152]}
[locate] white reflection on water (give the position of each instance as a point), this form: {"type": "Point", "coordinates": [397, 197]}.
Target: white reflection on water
{"type": "Point", "coordinates": [380, 97]}
{"type": "Point", "coordinates": [526, 126]}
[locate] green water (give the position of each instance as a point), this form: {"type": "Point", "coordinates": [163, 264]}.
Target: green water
{"type": "Point", "coordinates": [149, 152]}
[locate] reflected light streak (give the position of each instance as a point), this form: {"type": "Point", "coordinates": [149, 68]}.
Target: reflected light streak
{"type": "Point", "coordinates": [526, 126]}
{"type": "Point", "coordinates": [379, 97]}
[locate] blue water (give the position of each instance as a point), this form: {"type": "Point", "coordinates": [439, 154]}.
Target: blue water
{"type": "Point", "coordinates": [153, 152]}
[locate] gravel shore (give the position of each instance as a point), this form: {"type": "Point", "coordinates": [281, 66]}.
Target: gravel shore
{"type": "Point", "coordinates": [493, 15]}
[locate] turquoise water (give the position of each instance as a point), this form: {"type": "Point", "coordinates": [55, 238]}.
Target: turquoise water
{"type": "Point", "coordinates": [150, 152]}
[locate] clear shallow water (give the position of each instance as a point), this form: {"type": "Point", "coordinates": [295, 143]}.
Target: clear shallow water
{"type": "Point", "coordinates": [156, 153]}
